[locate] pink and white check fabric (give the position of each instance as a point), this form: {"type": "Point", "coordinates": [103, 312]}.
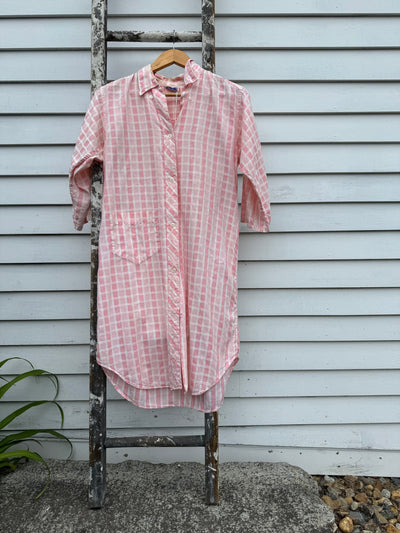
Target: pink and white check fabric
{"type": "Point", "coordinates": [167, 328]}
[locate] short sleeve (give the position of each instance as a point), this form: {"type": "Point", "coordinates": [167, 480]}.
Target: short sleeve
{"type": "Point", "coordinates": [89, 147]}
{"type": "Point", "coordinates": [255, 207]}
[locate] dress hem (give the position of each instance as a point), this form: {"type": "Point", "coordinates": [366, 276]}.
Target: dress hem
{"type": "Point", "coordinates": [227, 370]}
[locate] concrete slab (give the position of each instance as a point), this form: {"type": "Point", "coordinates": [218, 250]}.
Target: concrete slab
{"type": "Point", "coordinates": [144, 497]}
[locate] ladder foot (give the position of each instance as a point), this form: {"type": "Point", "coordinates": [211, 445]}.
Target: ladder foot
{"type": "Point", "coordinates": [97, 486]}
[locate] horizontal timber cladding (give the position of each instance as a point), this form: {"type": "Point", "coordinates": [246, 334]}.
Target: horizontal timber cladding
{"type": "Point", "coordinates": [316, 384]}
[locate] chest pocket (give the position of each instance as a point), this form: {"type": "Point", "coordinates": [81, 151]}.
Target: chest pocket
{"type": "Point", "coordinates": [133, 237]}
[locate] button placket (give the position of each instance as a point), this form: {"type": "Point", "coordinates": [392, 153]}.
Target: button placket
{"type": "Point", "coordinates": [173, 260]}
{"type": "Point", "coordinates": [175, 323]}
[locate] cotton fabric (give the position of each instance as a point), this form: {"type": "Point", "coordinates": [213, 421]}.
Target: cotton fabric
{"type": "Point", "coordinates": [167, 329]}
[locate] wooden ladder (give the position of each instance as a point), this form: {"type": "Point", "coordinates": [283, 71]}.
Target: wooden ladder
{"type": "Point", "coordinates": [98, 440]}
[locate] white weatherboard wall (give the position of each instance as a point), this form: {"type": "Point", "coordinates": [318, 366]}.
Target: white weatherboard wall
{"type": "Point", "coordinates": [318, 380]}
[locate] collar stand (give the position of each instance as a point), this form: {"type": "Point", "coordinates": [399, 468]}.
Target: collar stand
{"type": "Point", "coordinates": [147, 79]}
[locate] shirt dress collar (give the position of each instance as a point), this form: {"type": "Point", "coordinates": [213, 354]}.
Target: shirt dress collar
{"type": "Point", "coordinates": [147, 79]}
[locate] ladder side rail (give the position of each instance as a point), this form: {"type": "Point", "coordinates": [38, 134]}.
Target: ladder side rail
{"type": "Point", "coordinates": [97, 386]}
{"type": "Point", "coordinates": [210, 419]}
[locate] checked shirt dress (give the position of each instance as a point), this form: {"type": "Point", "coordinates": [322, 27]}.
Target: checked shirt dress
{"type": "Point", "coordinates": [167, 330]}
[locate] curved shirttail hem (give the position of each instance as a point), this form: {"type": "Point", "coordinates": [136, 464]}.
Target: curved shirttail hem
{"type": "Point", "coordinates": [231, 363]}
{"type": "Point", "coordinates": [222, 374]}
{"type": "Point", "coordinates": [226, 374]}
{"type": "Point", "coordinates": [234, 359]}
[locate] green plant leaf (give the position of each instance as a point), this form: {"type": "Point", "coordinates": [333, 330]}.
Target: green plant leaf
{"type": "Point", "coordinates": [21, 410]}
{"type": "Point", "coordinates": [21, 435]}
{"type": "Point", "coordinates": [10, 358]}
{"type": "Point", "coordinates": [29, 455]}
{"type": "Point", "coordinates": [9, 458]}
{"type": "Point", "coordinates": [26, 435]}
{"type": "Point", "coordinates": [35, 372]}
{"type": "Point", "coordinates": [4, 464]}
{"type": "Point", "coordinates": [15, 442]}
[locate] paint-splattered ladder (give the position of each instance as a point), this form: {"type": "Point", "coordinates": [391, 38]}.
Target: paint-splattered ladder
{"type": "Point", "coordinates": [98, 440]}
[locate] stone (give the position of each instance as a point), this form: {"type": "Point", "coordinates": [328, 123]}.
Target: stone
{"type": "Point", "coordinates": [385, 493]}
{"type": "Point", "coordinates": [391, 529]}
{"type": "Point", "coordinates": [367, 480]}
{"type": "Point", "coordinates": [358, 517]}
{"type": "Point", "coordinates": [361, 497]}
{"type": "Point", "coordinates": [396, 494]}
{"type": "Point", "coordinates": [350, 479]}
{"type": "Point", "coordinates": [333, 504]}
{"type": "Point", "coordinates": [376, 494]}
{"type": "Point", "coordinates": [379, 517]}
{"type": "Point", "coordinates": [366, 509]}
{"type": "Point", "coordinates": [369, 489]}
{"type": "Point", "coordinates": [354, 506]}
{"type": "Point", "coordinates": [388, 512]}
{"type": "Point", "coordinates": [343, 503]}
{"type": "Point", "coordinates": [370, 526]}
{"type": "Point", "coordinates": [353, 482]}
{"type": "Point", "coordinates": [346, 525]}
{"type": "Point", "coordinates": [332, 492]}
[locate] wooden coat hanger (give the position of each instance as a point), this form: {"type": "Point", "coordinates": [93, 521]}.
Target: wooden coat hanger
{"type": "Point", "coordinates": [170, 57]}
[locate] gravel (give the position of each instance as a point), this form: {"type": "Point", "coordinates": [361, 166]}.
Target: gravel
{"type": "Point", "coordinates": [362, 504]}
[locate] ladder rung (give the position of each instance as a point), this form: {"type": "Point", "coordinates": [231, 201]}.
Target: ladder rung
{"type": "Point", "coordinates": [179, 440]}
{"type": "Point", "coordinates": [154, 36]}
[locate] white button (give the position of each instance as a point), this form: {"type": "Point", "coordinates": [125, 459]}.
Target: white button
{"type": "Point", "coordinates": [169, 135]}
{"type": "Point", "coordinates": [173, 224]}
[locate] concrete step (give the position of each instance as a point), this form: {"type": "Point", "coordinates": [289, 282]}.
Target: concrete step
{"type": "Point", "coordinates": [144, 497]}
